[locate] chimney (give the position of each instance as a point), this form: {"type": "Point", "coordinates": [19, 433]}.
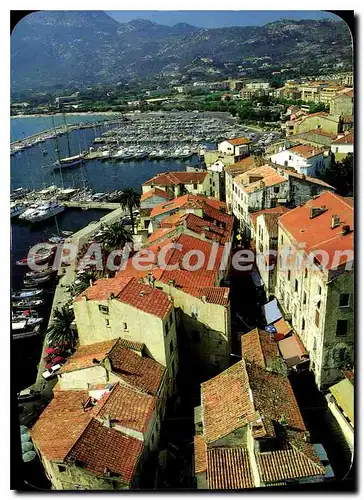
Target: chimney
{"type": "Point", "coordinates": [203, 298]}
{"type": "Point", "coordinates": [346, 230]}
{"type": "Point", "coordinates": [335, 221]}
{"type": "Point", "coordinates": [141, 294]}
{"type": "Point", "coordinates": [112, 296]}
{"type": "Point", "coordinates": [107, 421]}
{"type": "Point", "coordinates": [315, 211]}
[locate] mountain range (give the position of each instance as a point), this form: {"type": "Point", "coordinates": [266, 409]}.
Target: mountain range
{"type": "Point", "coordinates": [71, 48]}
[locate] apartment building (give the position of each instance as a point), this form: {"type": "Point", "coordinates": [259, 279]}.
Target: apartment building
{"type": "Point", "coordinates": [237, 147]}
{"type": "Point", "coordinates": [148, 201]}
{"type": "Point", "coordinates": [343, 103]}
{"type": "Point", "coordinates": [231, 171]}
{"type": "Point", "coordinates": [321, 120]}
{"type": "Point", "coordinates": [316, 288]}
{"type": "Point", "coordinates": [268, 186]}
{"type": "Point", "coordinates": [121, 307]}
{"type": "Point", "coordinates": [343, 145]}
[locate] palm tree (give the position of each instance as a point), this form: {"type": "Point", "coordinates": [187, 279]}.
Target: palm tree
{"type": "Point", "coordinates": [115, 236]}
{"type": "Point", "coordinates": [84, 281]}
{"type": "Point", "coordinates": [129, 199]}
{"type": "Point", "coordinates": [61, 331]}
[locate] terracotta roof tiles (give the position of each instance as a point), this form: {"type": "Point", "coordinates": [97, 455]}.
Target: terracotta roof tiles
{"type": "Point", "coordinates": [305, 151]}
{"type": "Point", "coordinates": [200, 452]}
{"type": "Point", "coordinates": [127, 289]}
{"type": "Point", "coordinates": [229, 469]}
{"type": "Point", "coordinates": [140, 372]}
{"type": "Point", "coordinates": [101, 448]}
{"type": "Point", "coordinates": [239, 141]}
{"type": "Point", "coordinates": [160, 193]}
{"type": "Point", "coordinates": [345, 139]}
{"type": "Point", "coordinates": [85, 354]}
{"type": "Point", "coordinates": [175, 178]}
{"type": "Point", "coordinates": [259, 347]}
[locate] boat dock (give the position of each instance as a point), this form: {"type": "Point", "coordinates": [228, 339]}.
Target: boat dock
{"type": "Point", "coordinates": [85, 205]}
{"type": "Point", "coordinates": [62, 296]}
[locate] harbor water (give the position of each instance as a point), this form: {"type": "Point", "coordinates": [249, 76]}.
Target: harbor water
{"type": "Point", "coordinates": [31, 168]}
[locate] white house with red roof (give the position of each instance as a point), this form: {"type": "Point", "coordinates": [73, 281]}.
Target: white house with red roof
{"type": "Point", "coordinates": [343, 145]}
{"type": "Point", "coordinates": [305, 159]}
{"type": "Point", "coordinates": [239, 146]}
{"type": "Point", "coordinates": [178, 183]}
{"type": "Point", "coordinates": [315, 288]}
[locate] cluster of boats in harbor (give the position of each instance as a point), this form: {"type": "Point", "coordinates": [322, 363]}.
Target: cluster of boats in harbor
{"type": "Point", "coordinates": [25, 320]}
{"type": "Point", "coordinates": [138, 152]}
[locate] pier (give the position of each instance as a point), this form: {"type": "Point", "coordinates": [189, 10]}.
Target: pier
{"type": "Point", "coordinates": [85, 205]}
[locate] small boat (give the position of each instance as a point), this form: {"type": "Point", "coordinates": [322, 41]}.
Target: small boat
{"type": "Point", "coordinates": [16, 210]}
{"type": "Point", "coordinates": [29, 283]}
{"type": "Point", "coordinates": [45, 212]}
{"type": "Point", "coordinates": [27, 294]}
{"type": "Point", "coordinates": [38, 258]}
{"type": "Point", "coordinates": [67, 233]}
{"type": "Point", "coordinates": [71, 160]}
{"type": "Point", "coordinates": [28, 303]}
{"type": "Point", "coordinates": [39, 274]}
{"type": "Point", "coordinates": [17, 323]}
{"type": "Point", "coordinates": [25, 314]}
{"type": "Point", "coordinates": [23, 330]}
{"type": "Point", "coordinates": [56, 239]}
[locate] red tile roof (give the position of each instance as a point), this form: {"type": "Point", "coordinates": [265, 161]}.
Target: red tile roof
{"type": "Point", "coordinates": [186, 201]}
{"type": "Point", "coordinates": [269, 176]}
{"type": "Point", "coordinates": [245, 393]}
{"type": "Point", "coordinates": [85, 354]}
{"type": "Point", "coordinates": [229, 469]}
{"type": "Point", "coordinates": [345, 139]}
{"type": "Point", "coordinates": [316, 233]}
{"type": "Point", "coordinates": [241, 166]}
{"type": "Point", "coordinates": [175, 178]}
{"type": "Point", "coordinates": [63, 429]}
{"type": "Point", "coordinates": [160, 193]}
{"type": "Point", "coordinates": [128, 408]}
{"type": "Point", "coordinates": [200, 453]}
{"type": "Point", "coordinates": [305, 151]}
{"type": "Point", "coordinates": [128, 290]}
{"type": "Point", "coordinates": [62, 423]}
{"type": "Point", "coordinates": [101, 448]}
{"type": "Point", "coordinates": [259, 347]}
{"type": "Point", "coordinates": [140, 372]}
{"type": "Point", "coordinates": [279, 210]}
{"type": "Point", "coordinates": [226, 402]}
{"type": "Point", "coordinates": [239, 141]}
{"type": "Point", "coordinates": [212, 295]}
{"type": "Point", "coordinates": [131, 344]}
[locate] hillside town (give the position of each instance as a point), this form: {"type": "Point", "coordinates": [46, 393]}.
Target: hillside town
{"type": "Point", "coordinates": [194, 370]}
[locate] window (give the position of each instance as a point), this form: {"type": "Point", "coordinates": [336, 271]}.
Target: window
{"type": "Point", "coordinates": [317, 319]}
{"type": "Point", "coordinates": [289, 275]}
{"type": "Point", "coordinates": [341, 327]}
{"type": "Point", "coordinates": [276, 189]}
{"type": "Point", "coordinates": [195, 186]}
{"type": "Point", "coordinates": [282, 240]}
{"type": "Point", "coordinates": [344, 300]}
{"type": "Point", "coordinates": [303, 324]}
{"type": "Point", "coordinates": [107, 323]}
{"type": "Point", "coordinates": [125, 326]}
{"type": "Point", "coordinates": [171, 347]}
{"type": "Point", "coordinates": [296, 285]}
{"type": "Point", "coordinates": [61, 468]}
{"type": "Point", "coordinates": [306, 273]}
{"type": "Point", "coordinates": [304, 298]}
{"type": "Point", "coordinates": [104, 309]}
{"type": "Point", "coordinates": [319, 305]}
{"type": "Point", "coordinates": [319, 290]}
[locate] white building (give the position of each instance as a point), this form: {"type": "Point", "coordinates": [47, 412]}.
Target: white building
{"type": "Point", "coordinates": [237, 147]}
{"type": "Point", "coordinates": [343, 145]}
{"type": "Point", "coordinates": [303, 158]}
{"type": "Point", "coordinates": [258, 86]}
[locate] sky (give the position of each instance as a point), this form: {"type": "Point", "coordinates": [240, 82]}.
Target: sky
{"type": "Point", "coordinates": [217, 19]}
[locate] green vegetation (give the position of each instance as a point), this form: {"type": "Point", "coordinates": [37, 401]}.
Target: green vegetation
{"type": "Point", "coordinates": [61, 330]}
{"type": "Point", "coordinates": [129, 199]}
{"type": "Point", "coordinates": [340, 175]}
{"type": "Point", "coordinates": [115, 236]}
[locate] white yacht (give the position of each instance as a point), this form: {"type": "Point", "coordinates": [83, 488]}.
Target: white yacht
{"type": "Point", "coordinates": [16, 210]}
{"type": "Point", "coordinates": [32, 208]}
{"type": "Point", "coordinates": [45, 212]}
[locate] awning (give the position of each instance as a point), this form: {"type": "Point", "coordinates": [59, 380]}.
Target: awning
{"type": "Point", "coordinates": [271, 312]}
{"type": "Point", "coordinates": [343, 392]}
{"type": "Point", "coordinates": [292, 350]}
{"type": "Point", "coordinates": [282, 329]}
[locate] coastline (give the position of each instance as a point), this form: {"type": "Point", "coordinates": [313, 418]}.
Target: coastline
{"type": "Point", "coordinates": [92, 113]}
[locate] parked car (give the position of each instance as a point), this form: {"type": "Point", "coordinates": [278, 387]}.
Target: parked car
{"type": "Point", "coordinates": [321, 453]}
{"type": "Point", "coordinates": [28, 395]}
{"type": "Point", "coordinates": [49, 374]}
